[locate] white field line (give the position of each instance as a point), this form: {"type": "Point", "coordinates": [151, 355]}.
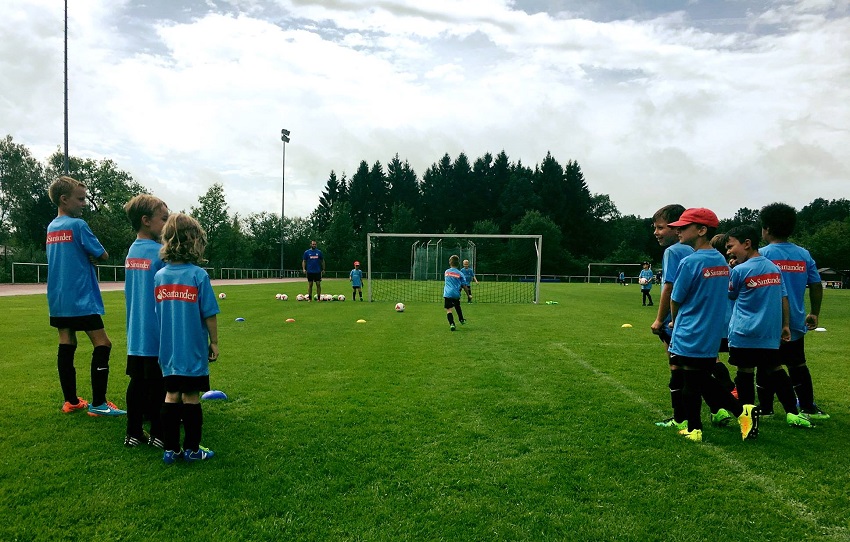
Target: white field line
{"type": "Point", "coordinates": [794, 506]}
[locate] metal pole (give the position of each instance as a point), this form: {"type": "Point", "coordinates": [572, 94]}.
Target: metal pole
{"type": "Point", "coordinates": [65, 162]}
{"type": "Point", "coordinates": [282, 196]}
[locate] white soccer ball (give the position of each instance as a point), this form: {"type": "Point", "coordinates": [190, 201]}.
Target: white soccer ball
{"type": "Point", "coordinates": [341, 297]}
{"type": "Point", "coordinates": [399, 307]}
{"type": "Point", "coordinates": [222, 295]}
{"type": "Point", "coordinates": [300, 297]}
{"type": "Point", "coordinates": [284, 297]}
{"type": "Point", "coordinates": [277, 296]}
{"type": "Point", "coordinates": [643, 280]}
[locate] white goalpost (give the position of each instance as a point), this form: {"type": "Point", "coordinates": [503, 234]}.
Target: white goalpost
{"type": "Point", "coordinates": [409, 266]}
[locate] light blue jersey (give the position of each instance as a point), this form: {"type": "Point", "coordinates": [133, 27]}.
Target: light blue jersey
{"type": "Point", "coordinates": [468, 274]}
{"type": "Point", "coordinates": [700, 291]}
{"type": "Point", "coordinates": [454, 280]}
{"type": "Point", "coordinates": [72, 288]}
{"type": "Point", "coordinates": [757, 289]}
{"type": "Point", "coordinates": [141, 265]}
{"type": "Point", "coordinates": [798, 271]}
{"type": "Point", "coordinates": [648, 275]}
{"type": "Point", "coordinates": [184, 300]}
{"type": "Point", "coordinates": [673, 255]}
{"type": "Point", "coordinates": [356, 277]}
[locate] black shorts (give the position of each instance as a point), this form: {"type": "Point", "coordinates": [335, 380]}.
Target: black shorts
{"type": "Point", "coordinates": [144, 367]}
{"type": "Point", "coordinates": [91, 322]}
{"type": "Point", "coordinates": [724, 345]}
{"type": "Point", "coordinates": [187, 384]}
{"type": "Point", "coordinates": [314, 277]}
{"type": "Point", "coordinates": [749, 358]}
{"type": "Point", "coordinates": [451, 302]}
{"type": "Point", "coordinates": [664, 335]}
{"type": "Point", "coordinates": [792, 353]}
{"type": "Point", "coordinates": [703, 364]}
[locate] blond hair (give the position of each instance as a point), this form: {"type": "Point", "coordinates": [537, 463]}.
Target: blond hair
{"type": "Point", "coordinates": [142, 205]}
{"type": "Point", "coordinates": [62, 186]}
{"type": "Point", "coordinates": [183, 240]}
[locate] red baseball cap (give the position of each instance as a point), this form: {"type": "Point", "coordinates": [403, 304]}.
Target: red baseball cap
{"type": "Point", "coordinates": [356, 263]}
{"type": "Point", "coordinates": [697, 215]}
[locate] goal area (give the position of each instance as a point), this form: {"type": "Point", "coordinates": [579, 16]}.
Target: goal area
{"type": "Point", "coordinates": [410, 267]}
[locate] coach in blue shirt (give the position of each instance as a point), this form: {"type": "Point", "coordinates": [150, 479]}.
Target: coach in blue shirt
{"type": "Point", "coordinates": [313, 265]}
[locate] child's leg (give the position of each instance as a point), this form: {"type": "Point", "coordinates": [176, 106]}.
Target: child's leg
{"type": "Point", "coordinates": [764, 389]}
{"type": "Point", "coordinates": [450, 316]}
{"type": "Point", "coordinates": [193, 421]}
{"type": "Point", "coordinates": [781, 383]}
{"type": "Point", "coordinates": [155, 388]}
{"type": "Point", "coordinates": [99, 365]}
{"type": "Point", "coordinates": [65, 364]}
{"type": "Point", "coordinates": [171, 416]}
{"type": "Point", "coordinates": [135, 397]}
{"type": "Point", "coordinates": [745, 382]}
{"type": "Point", "coordinates": [459, 311]}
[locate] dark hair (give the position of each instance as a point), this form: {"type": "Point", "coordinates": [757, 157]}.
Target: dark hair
{"type": "Point", "coordinates": [779, 219]}
{"type": "Point", "coordinates": [719, 243]}
{"type": "Point", "coordinates": [669, 213]}
{"type": "Point", "coordinates": [744, 232]}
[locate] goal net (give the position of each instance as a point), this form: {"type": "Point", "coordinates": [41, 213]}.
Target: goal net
{"type": "Point", "coordinates": [410, 266]}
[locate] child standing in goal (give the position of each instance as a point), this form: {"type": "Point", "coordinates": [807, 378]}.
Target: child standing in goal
{"type": "Point", "coordinates": [468, 276]}
{"type": "Point", "coordinates": [451, 291]}
{"type": "Point", "coordinates": [186, 308]}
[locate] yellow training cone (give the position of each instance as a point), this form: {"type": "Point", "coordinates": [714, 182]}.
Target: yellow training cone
{"type": "Point", "coordinates": [626, 325]}
{"type": "Point", "coordinates": [361, 321]}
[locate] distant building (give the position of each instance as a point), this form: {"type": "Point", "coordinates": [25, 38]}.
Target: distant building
{"type": "Point", "coordinates": [832, 278]}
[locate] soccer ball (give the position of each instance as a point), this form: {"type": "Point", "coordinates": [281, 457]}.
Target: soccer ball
{"type": "Point", "coordinates": [277, 296]}
{"type": "Point", "coordinates": [399, 307]}
{"type": "Point", "coordinates": [341, 297]}
{"type": "Point", "coordinates": [643, 280]}
{"type": "Point", "coordinates": [300, 297]}
{"type": "Point", "coordinates": [222, 295]}
{"type": "Point", "coordinates": [315, 297]}
{"type": "Point", "coordinates": [284, 297]}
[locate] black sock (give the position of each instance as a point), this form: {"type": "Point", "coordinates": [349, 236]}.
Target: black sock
{"type": "Point", "coordinates": [677, 383]}
{"type": "Point", "coordinates": [717, 395]}
{"type": "Point", "coordinates": [451, 318]}
{"type": "Point", "coordinates": [721, 373]}
{"type": "Point", "coordinates": [692, 398]}
{"type": "Point", "coordinates": [67, 373]}
{"type": "Point", "coordinates": [784, 390]}
{"type": "Point", "coordinates": [99, 374]}
{"type": "Point", "coordinates": [171, 426]}
{"type": "Point", "coordinates": [801, 378]}
{"type": "Point", "coordinates": [459, 312]}
{"type": "Point", "coordinates": [135, 406]}
{"type": "Point", "coordinates": [746, 389]}
{"type": "Point", "coordinates": [764, 389]}
{"type": "Point", "coordinates": [193, 421]}
{"type": "Point", "coordinates": [155, 388]}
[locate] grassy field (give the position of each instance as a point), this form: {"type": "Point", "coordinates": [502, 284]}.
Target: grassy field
{"type": "Point", "coordinates": [531, 422]}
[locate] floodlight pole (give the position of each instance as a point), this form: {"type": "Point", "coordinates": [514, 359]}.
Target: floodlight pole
{"type": "Point", "coordinates": [65, 165]}
{"type": "Point", "coordinates": [284, 137]}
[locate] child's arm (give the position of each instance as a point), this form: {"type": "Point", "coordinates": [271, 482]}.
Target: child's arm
{"type": "Point", "coordinates": [663, 308]}
{"type": "Point", "coordinates": [212, 329]}
{"type": "Point", "coordinates": [815, 300]}
{"type": "Point", "coordinates": [786, 320]}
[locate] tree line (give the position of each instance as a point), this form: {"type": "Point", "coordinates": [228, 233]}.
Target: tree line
{"type": "Point", "coordinates": [488, 195]}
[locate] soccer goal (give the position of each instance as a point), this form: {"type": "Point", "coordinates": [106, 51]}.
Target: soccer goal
{"type": "Point", "coordinates": [410, 266]}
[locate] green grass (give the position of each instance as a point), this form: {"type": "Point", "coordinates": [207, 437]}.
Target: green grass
{"type": "Point", "coordinates": [531, 422]}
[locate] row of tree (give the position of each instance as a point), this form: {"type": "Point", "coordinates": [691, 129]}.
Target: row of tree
{"type": "Point", "coordinates": [488, 195]}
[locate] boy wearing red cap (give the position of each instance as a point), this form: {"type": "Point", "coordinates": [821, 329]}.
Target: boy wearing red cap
{"type": "Point", "coordinates": [356, 280]}
{"type": "Point", "coordinates": [698, 309]}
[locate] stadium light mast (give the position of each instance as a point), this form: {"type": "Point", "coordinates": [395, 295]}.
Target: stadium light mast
{"type": "Point", "coordinates": [284, 137]}
{"type": "Point", "coordinates": [65, 164]}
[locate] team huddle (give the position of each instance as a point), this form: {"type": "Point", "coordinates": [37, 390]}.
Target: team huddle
{"type": "Point", "coordinates": [172, 331]}
{"type": "Point", "coordinates": [722, 293]}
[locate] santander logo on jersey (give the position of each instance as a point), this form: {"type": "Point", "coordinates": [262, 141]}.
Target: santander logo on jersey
{"type": "Point", "coordinates": [141, 264]}
{"type": "Point", "coordinates": [61, 236]}
{"type": "Point", "coordinates": [768, 279]}
{"type": "Point", "coordinates": [791, 266]}
{"type": "Point", "coordinates": [716, 271]}
{"type": "Point", "coordinates": [176, 292]}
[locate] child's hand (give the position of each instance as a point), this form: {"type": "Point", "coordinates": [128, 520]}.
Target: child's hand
{"type": "Point", "coordinates": [213, 352]}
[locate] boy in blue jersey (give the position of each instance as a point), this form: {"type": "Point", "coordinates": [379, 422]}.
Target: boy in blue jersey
{"type": "Point", "coordinates": [645, 280]}
{"type": "Point", "coordinates": [356, 279]}
{"type": "Point", "coordinates": [720, 371]}
{"type": "Point", "coordinates": [145, 392]}
{"type": "Point", "coordinates": [186, 309]}
{"type": "Point", "coordinates": [313, 265]}
{"type": "Point", "coordinates": [468, 276]}
{"type": "Point", "coordinates": [451, 291]}
{"type": "Point", "coordinates": [759, 321]}
{"type": "Point", "coordinates": [799, 272]}
{"type": "Point", "coordinates": [698, 308]}
{"type": "Point", "coordinates": [674, 252]}
{"type": "Point", "coordinates": [73, 297]}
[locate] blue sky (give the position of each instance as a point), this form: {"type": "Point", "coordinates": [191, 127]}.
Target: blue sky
{"type": "Point", "coordinates": [723, 104]}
